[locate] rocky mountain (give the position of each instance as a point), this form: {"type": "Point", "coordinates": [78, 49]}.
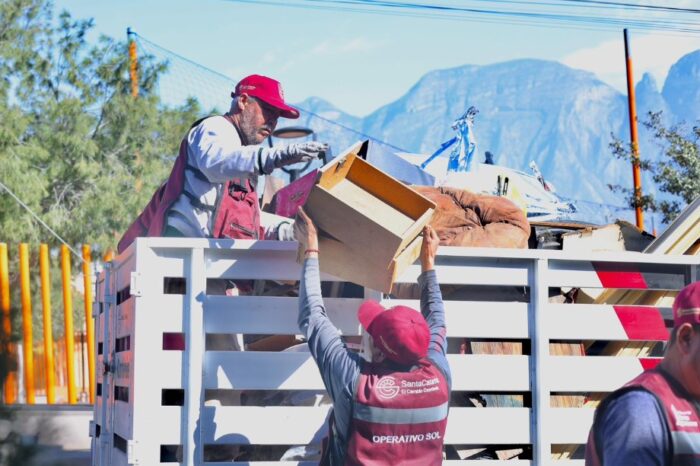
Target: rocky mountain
{"type": "Point", "coordinates": [682, 88]}
{"type": "Point", "coordinates": [561, 118]}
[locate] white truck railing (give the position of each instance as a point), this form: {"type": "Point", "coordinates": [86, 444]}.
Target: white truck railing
{"type": "Point", "coordinates": [154, 372]}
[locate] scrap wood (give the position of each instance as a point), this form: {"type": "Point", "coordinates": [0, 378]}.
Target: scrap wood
{"type": "Point", "coordinates": [489, 453]}
{"type": "Point", "coordinates": [618, 236]}
{"type": "Point", "coordinates": [681, 234]}
{"type": "Point", "coordinates": [563, 350]}
{"type": "Point", "coordinates": [567, 452]}
{"type": "Point", "coordinates": [503, 348]}
{"type": "Point", "coordinates": [682, 237]}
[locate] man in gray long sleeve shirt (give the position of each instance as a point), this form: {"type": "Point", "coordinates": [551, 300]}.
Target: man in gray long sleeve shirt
{"type": "Point", "coordinates": [211, 190]}
{"type": "Point", "coordinates": [393, 408]}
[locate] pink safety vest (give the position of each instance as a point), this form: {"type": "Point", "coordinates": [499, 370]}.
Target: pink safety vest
{"type": "Point", "coordinates": [236, 214]}
{"type": "Point", "coordinates": [682, 419]}
{"type": "Point", "coordinates": [398, 417]}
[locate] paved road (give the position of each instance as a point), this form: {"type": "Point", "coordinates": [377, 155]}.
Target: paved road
{"type": "Point", "coordinates": [62, 431]}
{"type": "Point", "coordinates": [55, 456]}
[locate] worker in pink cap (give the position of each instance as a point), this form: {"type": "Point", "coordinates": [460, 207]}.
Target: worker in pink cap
{"type": "Point", "coordinates": [655, 418]}
{"type": "Point", "coordinates": [390, 402]}
{"type": "Point", "coordinates": [211, 190]}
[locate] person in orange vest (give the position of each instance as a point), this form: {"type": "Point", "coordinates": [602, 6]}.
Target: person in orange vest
{"type": "Point", "coordinates": [390, 406]}
{"type": "Point", "coordinates": [210, 192]}
{"type": "Point", "coordinates": [655, 418]}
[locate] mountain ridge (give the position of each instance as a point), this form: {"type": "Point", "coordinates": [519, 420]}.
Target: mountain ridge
{"type": "Point", "coordinates": [530, 109]}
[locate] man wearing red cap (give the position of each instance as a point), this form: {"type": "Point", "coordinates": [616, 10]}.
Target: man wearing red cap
{"type": "Point", "coordinates": [655, 418]}
{"type": "Point", "coordinates": [390, 404]}
{"type": "Point", "coordinates": [211, 190]}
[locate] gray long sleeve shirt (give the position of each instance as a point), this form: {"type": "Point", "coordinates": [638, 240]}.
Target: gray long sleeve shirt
{"type": "Point", "coordinates": [215, 149]}
{"type": "Point", "coordinates": [339, 367]}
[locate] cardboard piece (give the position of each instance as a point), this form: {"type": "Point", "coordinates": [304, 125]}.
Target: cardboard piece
{"type": "Point", "coordinates": [619, 236]}
{"type": "Point", "coordinates": [369, 223]}
{"type": "Point", "coordinates": [291, 197]}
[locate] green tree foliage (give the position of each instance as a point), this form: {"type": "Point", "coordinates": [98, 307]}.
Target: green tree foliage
{"type": "Point", "coordinates": [75, 146]}
{"type": "Point", "coordinates": [78, 149]}
{"type": "Point", "coordinates": [677, 173]}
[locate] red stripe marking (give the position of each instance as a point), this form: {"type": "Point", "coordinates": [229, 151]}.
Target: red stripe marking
{"type": "Point", "coordinates": [617, 275]}
{"type": "Point", "coordinates": [649, 363]}
{"type": "Point", "coordinates": [642, 323]}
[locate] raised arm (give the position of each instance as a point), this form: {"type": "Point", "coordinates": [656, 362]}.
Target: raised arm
{"type": "Point", "coordinates": [431, 304]}
{"type": "Point", "coordinates": [338, 367]}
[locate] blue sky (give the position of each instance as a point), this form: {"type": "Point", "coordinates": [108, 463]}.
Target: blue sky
{"type": "Point", "coordinates": [360, 61]}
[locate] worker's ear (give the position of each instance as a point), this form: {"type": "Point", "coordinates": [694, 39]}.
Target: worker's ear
{"type": "Point", "coordinates": [243, 101]}
{"type": "Point", "coordinates": [684, 338]}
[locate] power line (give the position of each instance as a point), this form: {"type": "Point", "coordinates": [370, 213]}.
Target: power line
{"type": "Point", "coordinates": [529, 16]}
{"type": "Point", "coordinates": [38, 219]}
{"type": "Point", "coordinates": [141, 40]}
{"type": "Point", "coordinates": [671, 9]}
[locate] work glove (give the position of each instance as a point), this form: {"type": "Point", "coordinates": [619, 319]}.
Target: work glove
{"type": "Point", "coordinates": [269, 159]}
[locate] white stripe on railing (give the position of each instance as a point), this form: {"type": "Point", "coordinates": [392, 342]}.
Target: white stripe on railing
{"type": "Point", "coordinates": [270, 425]}
{"type": "Point", "coordinates": [298, 371]}
{"type": "Point", "coordinates": [278, 315]}
{"type": "Point", "coordinates": [585, 373]}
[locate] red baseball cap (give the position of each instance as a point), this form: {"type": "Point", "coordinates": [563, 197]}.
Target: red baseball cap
{"type": "Point", "coordinates": [400, 332]}
{"type": "Point", "coordinates": [268, 90]}
{"type": "Point", "coordinates": [686, 307]}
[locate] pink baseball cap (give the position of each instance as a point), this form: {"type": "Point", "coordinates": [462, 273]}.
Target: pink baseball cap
{"type": "Point", "coordinates": [400, 332]}
{"type": "Point", "coordinates": [686, 307]}
{"type": "Point", "coordinates": [268, 90]}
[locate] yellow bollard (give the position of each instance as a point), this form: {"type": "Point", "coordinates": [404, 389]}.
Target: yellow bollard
{"type": "Point", "coordinates": [27, 339]}
{"type": "Point", "coordinates": [48, 332]}
{"type": "Point", "coordinates": [9, 390]}
{"type": "Point", "coordinates": [109, 255]}
{"type": "Point", "coordinates": [89, 325]}
{"type": "Point", "coordinates": [68, 317]}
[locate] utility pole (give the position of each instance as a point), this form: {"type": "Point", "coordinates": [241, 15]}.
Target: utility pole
{"type": "Point", "coordinates": [636, 171]}
{"type": "Point", "coordinates": [133, 74]}
{"type": "Point", "coordinates": [133, 63]}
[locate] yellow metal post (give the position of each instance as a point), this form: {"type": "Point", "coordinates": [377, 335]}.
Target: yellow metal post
{"type": "Point", "coordinates": [68, 322]}
{"type": "Point", "coordinates": [108, 256]}
{"type": "Point", "coordinates": [10, 390]}
{"type": "Point", "coordinates": [27, 338]}
{"type": "Point", "coordinates": [89, 325]}
{"type": "Point", "coordinates": [48, 332]}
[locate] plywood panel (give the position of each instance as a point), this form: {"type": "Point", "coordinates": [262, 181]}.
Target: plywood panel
{"type": "Point", "coordinates": [395, 193]}
{"type": "Point", "coordinates": [372, 207]}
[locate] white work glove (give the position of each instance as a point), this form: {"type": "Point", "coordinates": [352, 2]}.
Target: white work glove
{"type": "Point", "coordinates": [269, 159]}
